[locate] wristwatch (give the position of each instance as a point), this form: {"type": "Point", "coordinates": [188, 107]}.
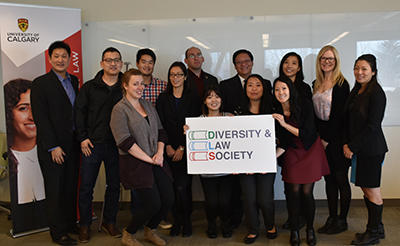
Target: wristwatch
{"type": "Point", "coordinates": [182, 148]}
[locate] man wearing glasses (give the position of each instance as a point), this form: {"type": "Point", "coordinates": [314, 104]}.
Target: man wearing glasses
{"type": "Point", "coordinates": [198, 79]}
{"type": "Point", "coordinates": [232, 89]}
{"type": "Point", "coordinates": [93, 107]}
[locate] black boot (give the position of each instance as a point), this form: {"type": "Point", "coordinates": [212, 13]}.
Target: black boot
{"type": "Point", "coordinates": [328, 224]}
{"type": "Point", "coordinates": [371, 235]}
{"type": "Point", "coordinates": [295, 238]}
{"type": "Point", "coordinates": [311, 239]}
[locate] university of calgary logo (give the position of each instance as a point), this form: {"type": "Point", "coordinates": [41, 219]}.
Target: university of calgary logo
{"type": "Point", "coordinates": [23, 24]}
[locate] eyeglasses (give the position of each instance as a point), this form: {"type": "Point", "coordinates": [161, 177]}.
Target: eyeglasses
{"type": "Point", "coordinates": [243, 62]}
{"type": "Point", "coordinates": [176, 75]}
{"type": "Point", "coordinates": [329, 59]}
{"type": "Point", "coordinates": [110, 61]}
{"type": "Point", "coordinates": [192, 56]}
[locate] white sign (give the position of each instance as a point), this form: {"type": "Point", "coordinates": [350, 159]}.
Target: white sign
{"type": "Point", "coordinates": [239, 144]}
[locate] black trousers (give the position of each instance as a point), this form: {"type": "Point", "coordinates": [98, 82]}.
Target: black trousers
{"type": "Point", "coordinates": [61, 183]}
{"type": "Point", "coordinates": [218, 193]}
{"type": "Point", "coordinates": [182, 208]}
{"type": "Point", "coordinates": [258, 193]}
{"type": "Point", "coordinates": [154, 202]}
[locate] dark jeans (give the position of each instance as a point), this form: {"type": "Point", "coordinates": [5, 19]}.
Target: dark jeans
{"type": "Point", "coordinates": [218, 193]}
{"type": "Point", "coordinates": [89, 171]}
{"type": "Point", "coordinates": [155, 202]}
{"type": "Point", "coordinates": [258, 193]}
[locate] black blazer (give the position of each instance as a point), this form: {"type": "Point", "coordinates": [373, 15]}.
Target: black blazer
{"type": "Point", "coordinates": [233, 94]}
{"type": "Point", "coordinates": [331, 130]}
{"type": "Point", "coordinates": [306, 125]}
{"type": "Point", "coordinates": [364, 116]}
{"type": "Point", "coordinates": [303, 89]}
{"type": "Point", "coordinates": [173, 118]}
{"type": "Point", "coordinates": [53, 112]}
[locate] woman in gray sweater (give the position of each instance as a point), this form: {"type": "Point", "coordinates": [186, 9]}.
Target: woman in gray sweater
{"type": "Point", "coordinates": [140, 138]}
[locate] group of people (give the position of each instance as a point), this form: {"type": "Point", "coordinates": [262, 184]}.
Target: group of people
{"type": "Point", "coordinates": [135, 124]}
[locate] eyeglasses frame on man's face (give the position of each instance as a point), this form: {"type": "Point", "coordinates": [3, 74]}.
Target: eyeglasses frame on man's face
{"type": "Point", "coordinates": [110, 61]}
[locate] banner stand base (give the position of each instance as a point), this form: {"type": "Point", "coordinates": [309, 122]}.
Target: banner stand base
{"type": "Point", "coordinates": [26, 233]}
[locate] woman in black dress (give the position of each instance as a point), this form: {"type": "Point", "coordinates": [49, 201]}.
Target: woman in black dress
{"type": "Point", "coordinates": [258, 188]}
{"type": "Point", "coordinates": [304, 161]}
{"type": "Point", "coordinates": [329, 98]}
{"type": "Point", "coordinates": [173, 105]}
{"type": "Point", "coordinates": [366, 144]}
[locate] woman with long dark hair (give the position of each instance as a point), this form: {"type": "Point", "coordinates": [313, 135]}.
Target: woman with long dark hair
{"type": "Point", "coordinates": [365, 143]}
{"type": "Point", "coordinates": [258, 188]}
{"type": "Point", "coordinates": [329, 98]}
{"type": "Point", "coordinates": [291, 66]}
{"type": "Point", "coordinates": [173, 106]}
{"type": "Point", "coordinates": [304, 160]}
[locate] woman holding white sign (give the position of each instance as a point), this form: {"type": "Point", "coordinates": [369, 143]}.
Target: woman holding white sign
{"type": "Point", "coordinates": [258, 188]}
{"type": "Point", "coordinates": [304, 160]}
{"type": "Point", "coordinates": [217, 188]}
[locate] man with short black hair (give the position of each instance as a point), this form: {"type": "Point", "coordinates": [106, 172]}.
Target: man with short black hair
{"type": "Point", "coordinates": [198, 79]}
{"type": "Point", "coordinates": [232, 89]}
{"type": "Point", "coordinates": [52, 99]}
{"type": "Point", "coordinates": [145, 62]}
{"type": "Point", "coordinates": [93, 111]}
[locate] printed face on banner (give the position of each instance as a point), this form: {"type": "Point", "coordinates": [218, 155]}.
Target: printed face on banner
{"type": "Point", "coordinates": [23, 123]}
{"type": "Point", "coordinates": [240, 144]}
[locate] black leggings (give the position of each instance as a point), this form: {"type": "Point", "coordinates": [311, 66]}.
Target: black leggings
{"type": "Point", "coordinates": [182, 208]}
{"type": "Point", "coordinates": [154, 202]}
{"type": "Point", "coordinates": [300, 196]}
{"type": "Point", "coordinates": [336, 182]}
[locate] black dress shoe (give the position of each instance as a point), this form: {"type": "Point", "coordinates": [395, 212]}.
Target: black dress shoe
{"type": "Point", "coordinates": [175, 230]}
{"type": "Point", "coordinates": [340, 225]}
{"type": "Point", "coordinates": [272, 235]}
{"type": "Point", "coordinates": [187, 231]}
{"type": "Point", "coordinates": [329, 222]}
{"type": "Point", "coordinates": [311, 239]}
{"type": "Point", "coordinates": [212, 230]}
{"type": "Point", "coordinates": [294, 238]}
{"type": "Point", "coordinates": [250, 240]}
{"type": "Point", "coordinates": [227, 233]}
{"type": "Point", "coordinates": [65, 240]}
{"type": "Point", "coordinates": [211, 233]}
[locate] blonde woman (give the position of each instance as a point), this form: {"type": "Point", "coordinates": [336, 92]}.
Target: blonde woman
{"type": "Point", "coordinates": [330, 92]}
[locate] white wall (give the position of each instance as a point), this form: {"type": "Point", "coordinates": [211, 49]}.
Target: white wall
{"type": "Point", "coordinates": [95, 10]}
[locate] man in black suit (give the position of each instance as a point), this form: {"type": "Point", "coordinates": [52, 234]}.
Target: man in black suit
{"type": "Point", "coordinates": [52, 99]}
{"type": "Point", "coordinates": [232, 89]}
{"type": "Point", "coordinates": [198, 79]}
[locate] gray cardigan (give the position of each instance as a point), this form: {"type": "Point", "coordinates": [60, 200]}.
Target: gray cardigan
{"type": "Point", "coordinates": [128, 128]}
{"type": "Point", "coordinates": [127, 122]}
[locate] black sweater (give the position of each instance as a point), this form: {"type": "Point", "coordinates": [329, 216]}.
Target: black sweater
{"type": "Point", "coordinates": [93, 108]}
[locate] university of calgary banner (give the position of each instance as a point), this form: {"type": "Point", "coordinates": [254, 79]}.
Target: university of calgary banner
{"type": "Point", "coordinates": [26, 33]}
